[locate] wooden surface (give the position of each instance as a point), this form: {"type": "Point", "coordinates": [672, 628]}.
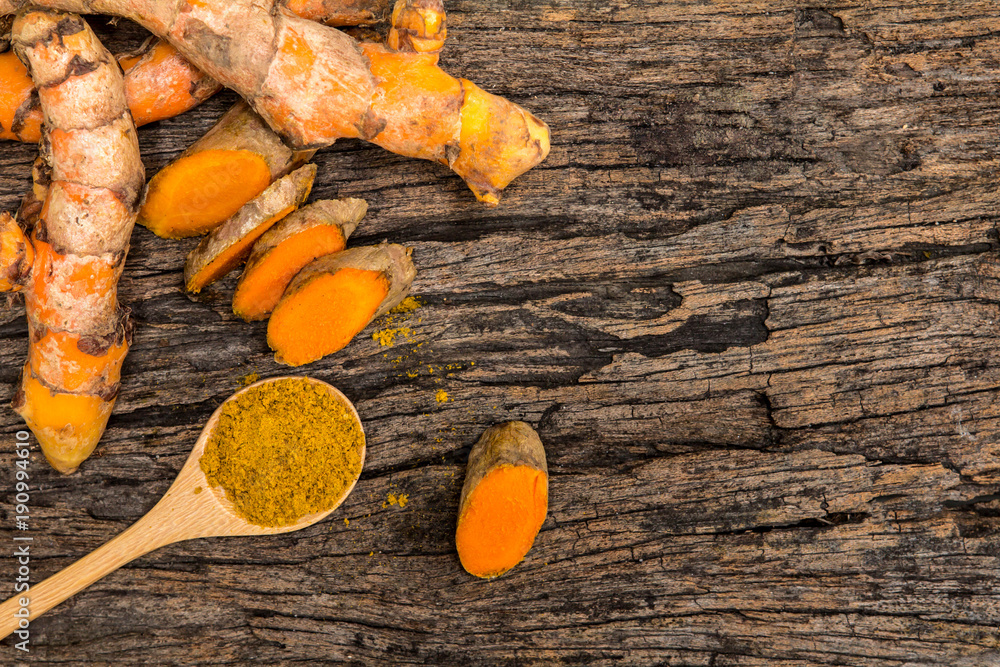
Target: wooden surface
{"type": "Point", "coordinates": [750, 302]}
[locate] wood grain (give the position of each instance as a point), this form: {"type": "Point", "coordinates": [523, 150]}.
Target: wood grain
{"type": "Point", "coordinates": [750, 303]}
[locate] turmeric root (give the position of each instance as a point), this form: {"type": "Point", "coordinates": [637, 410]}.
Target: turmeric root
{"type": "Point", "coordinates": [504, 499]}
{"type": "Point", "coordinates": [159, 84]}
{"type": "Point", "coordinates": [314, 84]}
{"type": "Point", "coordinates": [224, 249]}
{"type": "Point", "coordinates": [334, 297]}
{"type": "Point", "coordinates": [209, 182]}
{"type": "Point", "coordinates": [78, 333]}
{"type": "Point", "coordinates": [322, 228]}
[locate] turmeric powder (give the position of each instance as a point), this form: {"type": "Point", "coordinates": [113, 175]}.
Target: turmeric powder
{"type": "Point", "coordinates": [283, 450]}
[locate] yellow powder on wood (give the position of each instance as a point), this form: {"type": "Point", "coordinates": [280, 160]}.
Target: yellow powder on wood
{"type": "Point", "coordinates": [284, 450]}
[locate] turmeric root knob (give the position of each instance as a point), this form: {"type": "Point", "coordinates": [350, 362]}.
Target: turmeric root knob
{"type": "Point", "coordinates": [504, 499]}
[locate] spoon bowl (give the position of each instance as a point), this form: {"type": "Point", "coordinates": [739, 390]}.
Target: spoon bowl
{"type": "Point", "coordinates": [191, 508]}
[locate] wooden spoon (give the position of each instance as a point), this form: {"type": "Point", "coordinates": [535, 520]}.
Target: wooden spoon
{"type": "Point", "coordinates": [189, 509]}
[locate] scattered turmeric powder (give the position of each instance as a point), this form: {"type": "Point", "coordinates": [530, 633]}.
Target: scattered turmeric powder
{"type": "Point", "coordinates": [504, 499]}
{"type": "Point", "coordinates": [283, 450]}
{"type": "Point", "coordinates": [391, 499]}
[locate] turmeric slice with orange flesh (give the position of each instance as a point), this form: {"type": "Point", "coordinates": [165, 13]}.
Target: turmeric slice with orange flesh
{"type": "Point", "coordinates": [229, 245]}
{"type": "Point", "coordinates": [20, 116]}
{"type": "Point", "coordinates": [504, 500]}
{"type": "Point", "coordinates": [321, 228]}
{"type": "Point", "coordinates": [208, 183]}
{"type": "Point", "coordinates": [333, 298]}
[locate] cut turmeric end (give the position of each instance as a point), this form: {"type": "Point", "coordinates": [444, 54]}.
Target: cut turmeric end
{"type": "Point", "coordinates": [261, 287]}
{"type": "Point", "coordinates": [196, 194]}
{"type": "Point", "coordinates": [231, 257]}
{"type": "Point", "coordinates": [323, 315]}
{"type": "Point", "coordinates": [68, 426]}
{"type": "Point", "coordinates": [501, 518]}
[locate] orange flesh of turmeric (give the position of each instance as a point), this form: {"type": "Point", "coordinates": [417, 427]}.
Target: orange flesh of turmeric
{"type": "Point", "coordinates": [233, 255]}
{"type": "Point", "coordinates": [323, 315]}
{"type": "Point", "coordinates": [260, 290]}
{"type": "Point", "coordinates": [15, 89]}
{"type": "Point", "coordinates": [194, 195]}
{"type": "Point", "coordinates": [67, 426]}
{"type": "Point", "coordinates": [501, 519]}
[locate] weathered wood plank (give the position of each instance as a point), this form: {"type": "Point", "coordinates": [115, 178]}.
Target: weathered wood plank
{"type": "Point", "coordinates": [750, 303]}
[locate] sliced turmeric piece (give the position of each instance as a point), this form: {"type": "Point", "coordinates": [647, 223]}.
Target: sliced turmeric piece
{"type": "Point", "coordinates": [20, 116]}
{"type": "Point", "coordinates": [68, 425]}
{"type": "Point", "coordinates": [504, 499]}
{"type": "Point", "coordinates": [333, 298]}
{"type": "Point", "coordinates": [322, 228]}
{"type": "Point", "coordinates": [209, 182]}
{"type": "Point", "coordinates": [225, 248]}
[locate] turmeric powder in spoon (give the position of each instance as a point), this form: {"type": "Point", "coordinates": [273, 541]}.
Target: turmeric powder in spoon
{"type": "Point", "coordinates": [284, 450]}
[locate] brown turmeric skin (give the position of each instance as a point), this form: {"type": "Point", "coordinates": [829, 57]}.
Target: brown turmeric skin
{"type": "Point", "coordinates": [283, 450]}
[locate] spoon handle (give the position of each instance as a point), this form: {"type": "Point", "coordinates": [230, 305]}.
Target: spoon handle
{"type": "Point", "coordinates": [135, 541]}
